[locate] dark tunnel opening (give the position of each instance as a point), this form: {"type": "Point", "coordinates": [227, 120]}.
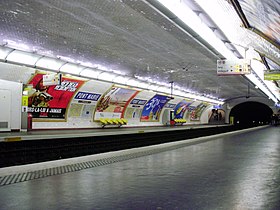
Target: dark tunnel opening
{"type": "Point", "coordinates": [251, 114]}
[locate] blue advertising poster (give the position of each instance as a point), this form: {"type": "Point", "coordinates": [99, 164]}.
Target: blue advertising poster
{"type": "Point", "coordinates": [181, 108]}
{"type": "Point", "coordinates": [153, 107]}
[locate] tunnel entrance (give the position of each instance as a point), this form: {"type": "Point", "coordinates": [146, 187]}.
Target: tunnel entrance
{"type": "Point", "coordinates": [251, 114]}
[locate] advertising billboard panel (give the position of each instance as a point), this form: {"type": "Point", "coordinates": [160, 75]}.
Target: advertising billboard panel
{"type": "Point", "coordinates": [51, 102]}
{"type": "Point", "coordinates": [181, 108]}
{"type": "Point", "coordinates": [114, 102]}
{"type": "Point", "coordinates": [153, 108]}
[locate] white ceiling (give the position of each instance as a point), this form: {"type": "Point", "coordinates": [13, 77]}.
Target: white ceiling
{"type": "Point", "coordinates": [129, 37]}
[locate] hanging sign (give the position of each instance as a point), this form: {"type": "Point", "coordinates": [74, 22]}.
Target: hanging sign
{"type": "Point", "coordinates": [272, 74]}
{"type": "Point", "coordinates": [233, 67]}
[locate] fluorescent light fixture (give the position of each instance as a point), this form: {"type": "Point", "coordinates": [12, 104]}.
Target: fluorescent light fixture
{"type": "Point", "coordinates": [190, 18]}
{"type": "Point", "coordinates": [143, 85]}
{"type": "Point", "coordinates": [106, 76]}
{"type": "Point", "coordinates": [133, 82]}
{"type": "Point", "coordinates": [153, 87]}
{"type": "Point", "coordinates": [90, 73]}
{"type": "Point", "coordinates": [18, 46]}
{"type": "Point", "coordinates": [71, 68]}
{"type": "Point", "coordinates": [50, 63]}
{"type": "Point", "coordinates": [4, 52]}
{"type": "Point", "coordinates": [217, 13]}
{"type": "Point", "coordinates": [261, 86]}
{"type": "Point", "coordinates": [258, 68]}
{"type": "Point", "coordinates": [178, 93]}
{"type": "Point", "coordinates": [164, 89]}
{"type": "Point", "coordinates": [121, 79]}
{"type": "Point", "coordinates": [64, 58]}
{"type": "Point", "coordinates": [87, 64]}
{"type": "Point", "coordinates": [230, 46]}
{"type": "Point", "coordinates": [22, 57]}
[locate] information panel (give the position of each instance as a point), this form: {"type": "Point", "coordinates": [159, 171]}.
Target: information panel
{"type": "Point", "coordinates": [233, 67]}
{"type": "Point", "coordinates": [272, 74]}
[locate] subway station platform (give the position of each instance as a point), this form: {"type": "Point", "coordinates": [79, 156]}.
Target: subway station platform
{"type": "Point", "coordinates": [236, 170]}
{"type": "Point", "coordinates": [64, 133]}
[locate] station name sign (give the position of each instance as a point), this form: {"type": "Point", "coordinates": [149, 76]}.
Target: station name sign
{"type": "Point", "coordinates": [87, 96]}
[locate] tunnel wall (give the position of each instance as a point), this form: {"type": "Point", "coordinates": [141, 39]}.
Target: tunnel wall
{"type": "Point", "coordinates": [228, 106]}
{"type": "Point", "coordinates": [251, 113]}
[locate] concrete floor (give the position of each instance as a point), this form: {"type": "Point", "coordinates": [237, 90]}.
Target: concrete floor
{"type": "Point", "coordinates": [231, 172]}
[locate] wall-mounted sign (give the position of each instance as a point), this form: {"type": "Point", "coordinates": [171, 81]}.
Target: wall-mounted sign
{"type": "Point", "coordinates": [272, 74]}
{"type": "Point", "coordinates": [52, 79]}
{"type": "Point", "coordinates": [51, 101]}
{"type": "Point", "coordinates": [87, 96]}
{"type": "Point", "coordinates": [170, 106]}
{"type": "Point", "coordinates": [153, 108]}
{"type": "Point", "coordinates": [181, 108]}
{"type": "Point", "coordinates": [219, 106]}
{"type": "Point", "coordinates": [114, 102]}
{"type": "Point", "coordinates": [138, 101]}
{"type": "Point", "coordinates": [24, 103]}
{"type": "Point", "coordinates": [196, 113]}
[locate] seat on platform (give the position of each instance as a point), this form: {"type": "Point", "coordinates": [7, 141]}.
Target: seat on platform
{"type": "Point", "coordinates": [113, 121]}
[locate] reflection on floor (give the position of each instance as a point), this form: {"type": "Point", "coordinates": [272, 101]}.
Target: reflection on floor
{"type": "Point", "coordinates": [236, 171]}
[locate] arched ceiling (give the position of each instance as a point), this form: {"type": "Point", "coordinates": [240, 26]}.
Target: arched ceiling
{"type": "Point", "coordinates": [129, 37]}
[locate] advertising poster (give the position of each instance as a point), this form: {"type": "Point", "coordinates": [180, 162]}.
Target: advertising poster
{"type": "Point", "coordinates": [181, 108]}
{"type": "Point", "coordinates": [133, 111]}
{"type": "Point", "coordinates": [114, 102]}
{"type": "Point", "coordinates": [51, 102]}
{"type": "Point", "coordinates": [216, 116]}
{"type": "Point", "coordinates": [153, 108]}
{"type": "Point", "coordinates": [75, 110]}
{"type": "Point", "coordinates": [196, 113]}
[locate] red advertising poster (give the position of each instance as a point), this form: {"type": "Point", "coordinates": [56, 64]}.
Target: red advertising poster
{"type": "Point", "coordinates": [51, 101]}
{"type": "Point", "coordinates": [114, 102]}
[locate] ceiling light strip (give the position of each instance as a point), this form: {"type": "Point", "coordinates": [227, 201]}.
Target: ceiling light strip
{"type": "Point", "coordinates": [59, 65]}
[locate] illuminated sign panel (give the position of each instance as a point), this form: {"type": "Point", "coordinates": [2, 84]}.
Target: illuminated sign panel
{"type": "Point", "coordinates": [233, 67]}
{"type": "Point", "coordinates": [272, 75]}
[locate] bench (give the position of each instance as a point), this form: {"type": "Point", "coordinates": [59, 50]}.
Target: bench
{"type": "Point", "coordinates": [180, 121]}
{"type": "Point", "coordinates": [112, 122]}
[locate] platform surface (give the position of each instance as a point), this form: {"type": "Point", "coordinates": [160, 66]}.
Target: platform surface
{"type": "Point", "coordinates": [233, 171]}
